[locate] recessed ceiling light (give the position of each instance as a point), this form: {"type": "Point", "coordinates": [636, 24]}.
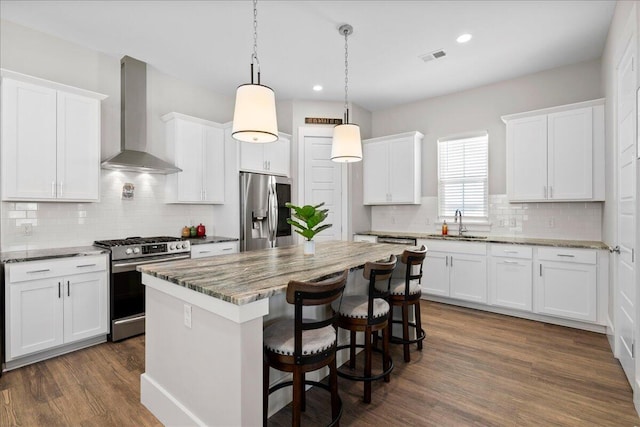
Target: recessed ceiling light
{"type": "Point", "coordinates": [317, 88]}
{"type": "Point", "coordinates": [463, 38]}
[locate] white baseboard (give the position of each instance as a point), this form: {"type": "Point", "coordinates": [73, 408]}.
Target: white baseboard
{"type": "Point", "coordinates": [611, 337]}
{"type": "Point", "coordinates": [164, 406]}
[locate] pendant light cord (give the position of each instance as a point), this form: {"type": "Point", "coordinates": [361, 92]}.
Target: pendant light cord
{"type": "Point", "coordinates": [346, 77]}
{"type": "Point", "coordinates": [254, 56]}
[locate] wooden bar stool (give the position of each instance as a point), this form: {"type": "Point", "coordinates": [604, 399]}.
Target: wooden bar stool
{"type": "Point", "coordinates": [368, 314]}
{"type": "Point", "coordinates": [301, 345]}
{"type": "Point", "coordinates": [405, 293]}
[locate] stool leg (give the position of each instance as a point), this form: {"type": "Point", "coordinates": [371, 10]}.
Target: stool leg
{"type": "Point", "coordinates": [303, 401]}
{"type": "Point", "coordinates": [386, 359]}
{"type": "Point", "coordinates": [416, 310]}
{"type": "Point", "coordinates": [333, 383]}
{"type": "Point", "coordinates": [265, 392]}
{"type": "Point", "coordinates": [367, 364]}
{"type": "Point", "coordinates": [298, 395]}
{"type": "Point", "coordinates": [405, 330]}
{"type": "Point", "coordinates": [352, 350]}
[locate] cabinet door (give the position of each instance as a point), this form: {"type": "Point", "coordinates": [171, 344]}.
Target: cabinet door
{"type": "Point", "coordinates": [85, 306]}
{"type": "Point", "coordinates": [566, 290]}
{"type": "Point", "coordinates": [435, 279]}
{"type": "Point", "coordinates": [375, 173]}
{"type": "Point", "coordinates": [189, 140]}
{"type": "Point", "coordinates": [78, 158]}
{"type": "Point", "coordinates": [34, 316]}
{"type": "Point", "coordinates": [570, 155]}
{"type": "Point", "coordinates": [28, 141]}
{"type": "Point", "coordinates": [468, 276]}
{"type": "Point", "coordinates": [213, 165]}
{"type": "Point", "coordinates": [252, 157]}
{"type": "Point", "coordinates": [510, 283]}
{"type": "Point", "coordinates": [277, 156]}
{"type": "Point", "coordinates": [213, 249]}
{"type": "Point", "coordinates": [527, 158]}
{"type": "Point", "coordinates": [402, 173]}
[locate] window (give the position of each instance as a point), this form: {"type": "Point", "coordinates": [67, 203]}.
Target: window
{"type": "Point", "coordinates": [463, 176]}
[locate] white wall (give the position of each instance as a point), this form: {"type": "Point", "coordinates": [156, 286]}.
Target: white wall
{"type": "Point", "coordinates": [68, 224]}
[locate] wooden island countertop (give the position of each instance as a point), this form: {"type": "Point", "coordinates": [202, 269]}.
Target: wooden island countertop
{"type": "Point", "coordinates": [246, 277]}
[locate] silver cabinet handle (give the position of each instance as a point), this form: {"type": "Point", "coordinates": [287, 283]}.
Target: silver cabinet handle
{"type": "Point", "coordinates": [506, 261]}
{"type": "Point", "coordinates": [85, 265]}
{"type": "Point", "coordinates": [540, 270]}
{"type": "Point", "coordinates": [68, 289]}
{"type": "Point", "coordinates": [58, 289]}
{"type": "Point", "coordinates": [551, 192]}
{"type": "Point", "coordinates": [451, 260]}
{"type": "Point", "coordinates": [510, 252]}
{"type": "Point", "coordinates": [446, 260]}
{"type": "Point", "coordinates": [204, 252]}
{"type": "Point", "coordinates": [566, 255]}
{"type": "Point", "coordinates": [227, 249]}
{"type": "Point", "coordinates": [38, 271]}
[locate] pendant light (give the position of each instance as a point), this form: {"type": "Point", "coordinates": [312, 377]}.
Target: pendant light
{"type": "Point", "coordinates": [254, 117]}
{"type": "Point", "coordinates": [346, 146]}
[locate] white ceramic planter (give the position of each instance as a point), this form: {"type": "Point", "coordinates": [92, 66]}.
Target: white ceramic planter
{"type": "Point", "coordinates": [309, 247]}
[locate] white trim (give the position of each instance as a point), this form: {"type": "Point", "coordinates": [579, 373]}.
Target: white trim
{"type": "Point", "coordinates": [559, 108]}
{"type": "Point", "coordinates": [13, 75]}
{"type": "Point", "coordinates": [164, 406]}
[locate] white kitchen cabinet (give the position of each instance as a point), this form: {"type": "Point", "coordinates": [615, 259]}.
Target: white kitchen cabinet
{"type": "Point", "coordinates": [455, 270]}
{"type": "Point", "coordinates": [55, 302]}
{"type": "Point", "coordinates": [271, 158]}
{"type": "Point", "coordinates": [510, 276]}
{"type": "Point", "coordinates": [197, 147]}
{"type": "Point", "coordinates": [556, 154]}
{"type": "Point", "coordinates": [566, 283]}
{"type": "Point", "coordinates": [391, 169]}
{"type": "Point", "coordinates": [50, 140]}
{"type": "Point", "coordinates": [213, 249]}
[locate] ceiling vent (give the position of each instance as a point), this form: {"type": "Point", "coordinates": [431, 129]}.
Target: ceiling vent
{"type": "Point", "coordinates": [436, 54]}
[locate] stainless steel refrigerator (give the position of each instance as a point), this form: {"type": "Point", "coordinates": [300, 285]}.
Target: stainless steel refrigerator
{"type": "Point", "coordinates": [263, 214]}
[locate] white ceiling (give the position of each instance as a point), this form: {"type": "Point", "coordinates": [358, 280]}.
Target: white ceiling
{"type": "Point", "coordinates": [210, 42]}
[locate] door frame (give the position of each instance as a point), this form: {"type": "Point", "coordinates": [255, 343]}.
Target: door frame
{"type": "Point", "coordinates": [323, 132]}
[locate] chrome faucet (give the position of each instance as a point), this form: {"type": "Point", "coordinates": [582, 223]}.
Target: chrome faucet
{"type": "Point", "coordinates": [461, 228]}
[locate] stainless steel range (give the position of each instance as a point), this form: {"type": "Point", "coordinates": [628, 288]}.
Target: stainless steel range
{"type": "Point", "coordinates": [126, 289]}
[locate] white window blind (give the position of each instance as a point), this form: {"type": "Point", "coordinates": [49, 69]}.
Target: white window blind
{"type": "Point", "coordinates": [463, 176]}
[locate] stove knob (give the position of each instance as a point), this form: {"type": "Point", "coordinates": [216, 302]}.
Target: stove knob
{"type": "Point", "coordinates": [181, 246]}
{"type": "Point", "coordinates": [129, 251]}
{"type": "Point", "coordinates": [136, 250]}
{"type": "Point", "coordinates": [172, 247]}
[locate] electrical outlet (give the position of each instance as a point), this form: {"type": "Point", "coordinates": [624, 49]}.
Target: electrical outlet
{"type": "Point", "coordinates": [552, 222]}
{"type": "Point", "coordinates": [187, 316]}
{"type": "Point", "coordinates": [512, 222]}
{"type": "Point", "coordinates": [27, 229]}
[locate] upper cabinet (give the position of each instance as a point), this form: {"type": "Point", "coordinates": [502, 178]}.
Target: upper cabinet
{"type": "Point", "coordinates": [50, 140]}
{"type": "Point", "coordinates": [271, 158]}
{"type": "Point", "coordinates": [197, 147]}
{"type": "Point", "coordinates": [556, 154]}
{"type": "Point", "coordinates": [391, 169]}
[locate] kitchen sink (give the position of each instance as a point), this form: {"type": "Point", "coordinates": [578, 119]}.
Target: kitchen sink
{"type": "Point", "coordinates": [456, 237]}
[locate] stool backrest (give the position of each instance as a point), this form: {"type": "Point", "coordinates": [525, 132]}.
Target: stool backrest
{"type": "Point", "coordinates": [303, 294]}
{"type": "Point", "coordinates": [412, 257]}
{"type": "Point", "coordinates": [376, 272]}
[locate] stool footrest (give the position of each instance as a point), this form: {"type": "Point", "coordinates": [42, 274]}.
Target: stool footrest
{"type": "Point", "coordinates": [314, 383]}
{"type": "Point", "coordinates": [398, 340]}
{"type": "Point", "coordinates": [362, 377]}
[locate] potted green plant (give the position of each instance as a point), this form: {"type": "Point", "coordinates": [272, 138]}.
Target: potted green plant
{"type": "Point", "coordinates": [310, 219]}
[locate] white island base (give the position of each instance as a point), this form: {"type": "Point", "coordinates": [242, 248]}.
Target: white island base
{"type": "Point", "coordinates": [209, 373]}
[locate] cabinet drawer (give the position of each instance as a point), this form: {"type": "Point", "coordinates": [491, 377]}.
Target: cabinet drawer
{"type": "Point", "coordinates": [31, 270]}
{"type": "Point", "coordinates": [471, 248]}
{"type": "Point", "coordinates": [582, 256]}
{"type": "Point", "coordinates": [512, 251]}
{"type": "Point", "coordinates": [213, 249]}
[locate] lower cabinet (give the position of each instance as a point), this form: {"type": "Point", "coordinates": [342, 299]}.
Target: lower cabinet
{"type": "Point", "coordinates": [510, 280]}
{"type": "Point", "coordinates": [213, 249]}
{"type": "Point", "coordinates": [566, 283]}
{"type": "Point", "coordinates": [455, 270]}
{"type": "Point", "coordinates": [53, 310]}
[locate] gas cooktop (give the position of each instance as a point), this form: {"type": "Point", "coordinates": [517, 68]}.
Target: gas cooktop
{"type": "Point", "coordinates": [136, 241]}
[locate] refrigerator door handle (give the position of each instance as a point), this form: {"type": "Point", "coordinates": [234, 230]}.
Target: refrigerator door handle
{"type": "Point", "coordinates": [272, 215]}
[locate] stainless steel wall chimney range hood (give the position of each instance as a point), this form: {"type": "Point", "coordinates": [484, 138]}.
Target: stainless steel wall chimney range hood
{"type": "Point", "coordinates": [133, 124]}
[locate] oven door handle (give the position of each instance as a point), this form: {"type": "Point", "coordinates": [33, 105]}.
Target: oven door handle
{"type": "Point", "coordinates": [131, 266]}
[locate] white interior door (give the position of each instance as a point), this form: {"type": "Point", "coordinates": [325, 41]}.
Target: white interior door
{"type": "Point", "coordinates": [322, 179]}
{"type": "Point", "coordinates": [625, 315]}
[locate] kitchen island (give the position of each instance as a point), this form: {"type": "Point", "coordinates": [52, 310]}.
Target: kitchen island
{"type": "Point", "coordinates": [204, 322]}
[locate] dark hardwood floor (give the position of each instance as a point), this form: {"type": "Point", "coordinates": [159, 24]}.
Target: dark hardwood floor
{"type": "Point", "coordinates": [476, 369]}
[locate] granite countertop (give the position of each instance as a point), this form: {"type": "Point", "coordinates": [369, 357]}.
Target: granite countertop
{"type": "Point", "coordinates": [250, 276]}
{"type": "Point", "coordinates": [209, 239]}
{"type": "Point", "coordinates": [559, 243]}
{"type": "Point", "coordinates": [40, 254]}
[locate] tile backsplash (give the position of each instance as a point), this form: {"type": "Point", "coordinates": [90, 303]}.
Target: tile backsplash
{"type": "Point", "coordinates": [575, 221]}
{"type": "Point", "coordinates": [51, 224]}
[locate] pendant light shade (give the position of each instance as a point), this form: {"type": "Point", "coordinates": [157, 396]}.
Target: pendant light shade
{"type": "Point", "coordinates": [254, 116]}
{"type": "Point", "coordinates": [346, 146]}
